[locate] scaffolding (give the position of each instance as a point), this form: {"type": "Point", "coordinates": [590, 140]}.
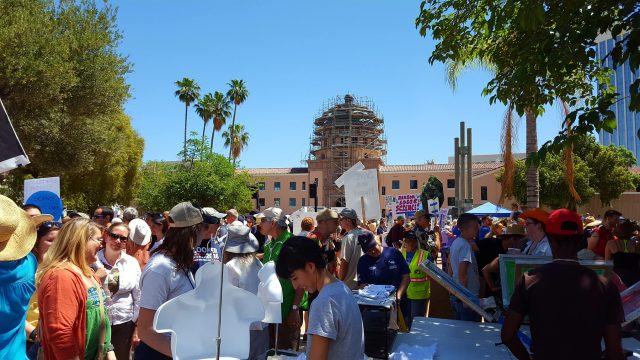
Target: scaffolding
{"type": "Point", "coordinates": [346, 130]}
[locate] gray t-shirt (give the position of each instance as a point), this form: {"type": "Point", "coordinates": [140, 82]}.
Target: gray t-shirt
{"type": "Point", "coordinates": [351, 252]}
{"type": "Point", "coordinates": [161, 282]}
{"type": "Point", "coordinates": [334, 314]}
{"type": "Point", "coordinates": [461, 251]}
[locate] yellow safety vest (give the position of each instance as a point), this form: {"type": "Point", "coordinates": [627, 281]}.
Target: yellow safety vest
{"type": "Point", "coordinates": [419, 286]}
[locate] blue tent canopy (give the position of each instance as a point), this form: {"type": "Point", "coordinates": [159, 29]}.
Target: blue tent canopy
{"type": "Point", "coordinates": [490, 210]}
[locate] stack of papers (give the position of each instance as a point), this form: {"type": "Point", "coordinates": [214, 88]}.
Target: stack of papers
{"type": "Point", "coordinates": [376, 292]}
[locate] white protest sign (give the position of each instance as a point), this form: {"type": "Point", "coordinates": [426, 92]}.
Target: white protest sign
{"type": "Point", "coordinates": [442, 217]}
{"type": "Point", "coordinates": [47, 184]}
{"type": "Point", "coordinates": [434, 206]}
{"type": "Point", "coordinates": [361, 186]}
{"type": "Point", "coordinates": [298, 215]}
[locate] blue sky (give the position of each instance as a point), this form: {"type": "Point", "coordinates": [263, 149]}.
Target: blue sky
{"type": "Point", "coordinates": [294, 55]}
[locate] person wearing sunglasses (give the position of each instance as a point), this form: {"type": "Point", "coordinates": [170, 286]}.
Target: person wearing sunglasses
{"type": "Point", "coordinates": [73, 317]}
{"type": "Point", "coordinates": [103, 216]}
{"type": "Point", "coordinates": [123, 287]}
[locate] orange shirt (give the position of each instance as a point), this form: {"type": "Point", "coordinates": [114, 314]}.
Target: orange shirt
{"type": "Point", "coordinates": [62, 300]}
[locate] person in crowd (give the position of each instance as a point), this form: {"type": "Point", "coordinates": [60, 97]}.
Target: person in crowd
{"type": "Point", "coordinates": [515, 212]}
{"type": "Point", "coordinates": [207, 249]}
{"type": "Point", "coordinates": [424, 234]}
{"type": "Point", "coordinates": [139, 241]}
{"type": "Point", "coordinates": [486, 227]}
{"type": "Point", "coordinates": [230, 217]}
{"type": "Point", "coordinates": [382, 266]}
{"type": "Point", "coordinates": [123, 287]}
{"type": "Point", "coordinates": [328, 222]}
{"type": "Point", "coordinates": [17, 269]}
{"type": "Point", "coordinates": [538, 243]}
{"type": "Point", "coordinates": [243, 266]}
{"type": "Point", "coordinates": [129, 214]}
{"type": "Point", "coordinates": [601, 235]}
{"type": "Point", "coordinates": [446, 236]}
{"type": "Point", "coordinates": [491, 270]}
{"type": "Point", "coordinates": [47, 234]}
{"type": "Point", "coordinates": [335, 323]}
{"type": "Point", "coordinates": [273, 223]}
{"type": "Point", "coordinates": [306, 226]}
{"type": "Point", "coordinates": [464, 266]}
{"type": "Point", "coordinates": [32, 209]}
{"type": "Point", "coordinates": [396, 233]}
{"type": "Point", "coordinates": [497, 229]}
{"type": "Point", "coordinates": [166, 276]}
{"type": "Point", "coordinates": [103, 216]}
{"type": "Point", "coordinates": [262, 239]}
{"type": "Point", "coordinates": [571, 309]}
{"type": "Point", "coordinates": [351, 251]}
{"type": "Point", "coordinates": [382, 227]}
{"type": "Point", "coordinates": [74, 323]}
{"type": "Point", "coordinates": [418, 291]}
{"type": "Point", "coordinates": [625, 253]}
{"type": "Point", "coordinates": [159, 226]}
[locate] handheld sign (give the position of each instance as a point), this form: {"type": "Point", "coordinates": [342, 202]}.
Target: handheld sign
{"type": "Point", "coordinates": [48, 202]}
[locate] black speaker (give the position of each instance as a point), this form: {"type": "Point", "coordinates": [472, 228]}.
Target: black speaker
{"type": "Point", "coordinates": [313, 191]}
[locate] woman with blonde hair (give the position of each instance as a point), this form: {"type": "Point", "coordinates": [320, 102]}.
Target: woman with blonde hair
{"type": "Point", "coordinates": [73, 316]}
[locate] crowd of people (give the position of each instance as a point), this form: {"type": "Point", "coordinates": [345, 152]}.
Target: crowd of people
{"type": "Point", "coordinates": [89, 286]}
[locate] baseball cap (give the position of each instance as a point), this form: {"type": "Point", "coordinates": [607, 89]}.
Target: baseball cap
{"type": "Point", "coordinates": [537, 214]}
{"type": "Point", "coordinates": [211, 216]}
{"type": "Point", "coordinates": [232, 212]}
{"type": "Point", "coordinates": [349, 214]}
{"type": "Point", "coordinates": [327, 214]}
{"type": "Point", "coordinates": [367, 241]}
{"type": "Point", "coordinates": [564, 222]}
{"type": "Point", "coordinates": [271, 213]}
{"type": "Point", "coordinates": [184, 215]}
{"type": "Point", "coordinates": [400, 217]}
{"type": "Point", "coordinates": [139, 232]}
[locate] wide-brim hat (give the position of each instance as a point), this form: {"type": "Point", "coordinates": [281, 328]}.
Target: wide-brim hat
{"type": "Point", "coordinates": [240, 240]}
{"type": "Point", "coordinates": [18, 231]}
{"type": "Point", "coordinates": [513, 230]}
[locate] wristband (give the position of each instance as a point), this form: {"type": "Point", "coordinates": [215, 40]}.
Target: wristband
{"type": "Point", "coordinates": [295, 307]}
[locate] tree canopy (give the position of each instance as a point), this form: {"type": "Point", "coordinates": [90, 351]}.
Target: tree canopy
{"type": "Point", "coordinates": [432, 189]}
{"type": "Point", "coordinates": [63, 84]}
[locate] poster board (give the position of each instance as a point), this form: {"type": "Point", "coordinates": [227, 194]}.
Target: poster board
{"type": "Point", "coordinates": [406, 205]}
{"type": "Point", "coordinates": [12, 154]}
{"type": "Point", "coordinates": [44, 192]}
{"type": "Point", "coordinates": [457, 290]}
{"type": "Point", "coordinates": [442, 217]}
{"type": "Point", "coordinates": [298, 215]}
{"type": "Point", "coordinates": [361, 185]}
{"type": "Point", "coordinates": [41, 184]}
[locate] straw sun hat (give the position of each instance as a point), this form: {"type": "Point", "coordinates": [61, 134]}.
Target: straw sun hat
{"type": "Point", "coordinates": [18, 231]}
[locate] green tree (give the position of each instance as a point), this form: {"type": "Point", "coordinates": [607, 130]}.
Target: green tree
{"type": "Point", "coordinates": [63, 84]}
{"type": "Point", "coordinates": [205, 108]}
{"type": "Point", "coordinates": [238, 94]}
{"type": "Point", "coordinates": [188, 92]}
{"type": "Point", "coordinates": [432, 189]}
{"type": "Point", "coordinates": [236, 139]}
{"type": "Point", "coordinates": [221, 111]}
{"type": "Point", "coordinates": [205, 179]}
{"type": "Point", "coordinates": [540, 51]}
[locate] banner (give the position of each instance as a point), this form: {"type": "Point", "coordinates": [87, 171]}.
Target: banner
{"type": "Point", "coordinates": [12, 155]}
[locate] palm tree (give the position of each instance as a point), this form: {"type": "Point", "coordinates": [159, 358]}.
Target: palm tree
{"type": "Point", "coordinates": [188, 92]}
{"type": "Point", "coordinates": [221, 111]}
{"type": "Point", "coordinates": [236, 142]}
{"type": "Point", "coordinates": [237, 93]}
{"type": "Point", "coordinates": [204, 109]}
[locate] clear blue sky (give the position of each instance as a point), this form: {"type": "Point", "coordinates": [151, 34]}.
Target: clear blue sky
{"type": "Point", "coordinates": [294, 55]}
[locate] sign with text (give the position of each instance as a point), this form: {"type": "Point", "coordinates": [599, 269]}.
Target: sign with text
{"type": "Point", "coordinates": [442, 217]}
{"type": "Point", "coordinates": [42, 184]}
{"type": "Point", "coordinates": [361, 186]}
{"type": "Point", "coordinates": [407, 204]}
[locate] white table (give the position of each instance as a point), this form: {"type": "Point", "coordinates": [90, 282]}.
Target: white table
{"type": "Point", "coordinates": [469, 340]}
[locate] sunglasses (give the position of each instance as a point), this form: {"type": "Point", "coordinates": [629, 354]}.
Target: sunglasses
{"type": "Point", "coordinates": [50, 224]}
{"type": "Point", "coordinates": [98, 216]}
{"type": "Point", "coordinates": [118, 237]}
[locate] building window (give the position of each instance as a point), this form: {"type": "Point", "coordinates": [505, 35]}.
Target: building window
{"type": "Point", "coordinates": [292, 202]}
{"type": "Point", "coordinates": [261, 186]}
{"type": "Point", "coordinates": [451, 183]}
{"type": "Point", "coordinates": [276, 186]}
{"type": "Point", "coordinates": [413, 184]}
{"type": "Point", "coordinates": [395, 184]}
{"type": "Point", "coordinates": [261, 202]}
{"type": "Point", "coordinates": [304, 185]}
{"type": "Point", "coordinates": [483, 193]}
{"type": "Point", "coordinates": [304, 202]}
{"type": "Point", "coordinates": [451, 201]}
{"type": "Point", "coordinates": [384, 190]}
{"type": "Point", "coordinates": [292, 185]}
{"type": "Point", "coordinates": [276, 202]}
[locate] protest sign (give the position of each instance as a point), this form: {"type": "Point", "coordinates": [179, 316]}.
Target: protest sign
{"type": "Point", "coordinates": [361, 190]}
{"type": "Point", "coordinates": [48, 184]}
{"type": "Point", "coordinates": [442, 217]}
{"type": "Point", "coordinates": [407, 204]}
{"type": "Point", "coordinates": [298, 215]}
{"type": "Point", "coordinates": [12, 155]}
{"type": "Point", "coordinates": [434, 206]}
{"type": "Point", "coordinates": [48, 202]}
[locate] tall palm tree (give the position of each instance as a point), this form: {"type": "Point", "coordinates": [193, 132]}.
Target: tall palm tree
{"type": "Point", "coordinates": [221, 111]}
{"type": "Point", "coordinates": [236, 142]}
{"type": "Point", "coordinates": [204, 109]}
{"type": "Point", "coordinates": [237, 93]}
{"type": "Point", "coordinates": [188, 92]}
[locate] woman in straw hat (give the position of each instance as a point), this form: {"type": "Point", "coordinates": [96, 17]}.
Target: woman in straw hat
{"type": "Point", "coordinates": [17, 269]}
{"type": "Point", "coordinates": [73, 314]}
{"type": "Point", "coordinates": [243, 266]}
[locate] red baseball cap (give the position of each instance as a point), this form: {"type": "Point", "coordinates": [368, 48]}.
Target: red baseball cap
{"type": "Point", "coordinates": [564, 222]}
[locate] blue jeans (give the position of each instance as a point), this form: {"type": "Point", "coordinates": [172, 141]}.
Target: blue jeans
{"type": "Point", "coordinates": [145, 352]}
{"type": "Point", "coordinates": [412, 308]}
{"type": "Point", "coordinates": [462, 312]}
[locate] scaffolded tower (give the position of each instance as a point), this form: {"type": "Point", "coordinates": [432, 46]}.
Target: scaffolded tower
{"type": "Point", "coordinates": [344, 133]}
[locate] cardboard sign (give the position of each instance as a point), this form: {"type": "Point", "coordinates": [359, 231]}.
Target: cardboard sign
{"type": "Point", "coordinates": [51, 184]}
{"type": "Point", "coordinates": [361, 187]}
{"type": "Point", "coordinates": [434, 206]}
{"type": "Point", "coordinates": [407, 204]}
{"type": "Point", "coordinates": [48, 202]}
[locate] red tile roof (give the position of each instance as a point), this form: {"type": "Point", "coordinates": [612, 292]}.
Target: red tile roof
{"type": "Point", "coordinates": [277, 171]}
{"type": "Point", "coordinates": [478, 168]}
